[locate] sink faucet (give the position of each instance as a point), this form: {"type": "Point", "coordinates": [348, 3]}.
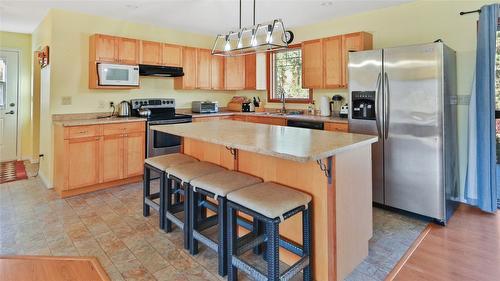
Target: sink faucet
{"type": "Point", "coordinates": [283, 104]}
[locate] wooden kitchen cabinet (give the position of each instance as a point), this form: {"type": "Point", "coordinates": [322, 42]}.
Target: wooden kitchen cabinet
{"type": "Point", "coordinates": [266, 120]}
{"type": "Point", "coordinates": [333, 62]}
{"type": "Point", "coordinates": [324, 61]}
{"type": "Point", "coordinates": [353, 42]}
{"type": "Point", "coordinates": [135, 145]}
{"type": "Point", "coordinates": [112, 49]}
{"type": "Point", "coordinates": [250, 72]}
{"type": "Point", "coordinates": [151, 53]}
{"type": "Point", "coordinates": [217, 72]}
{"type": "Point", "coordinates": [128, 50]}
{"type": "Point", "coordinates": [113, 155]}
{"type": "Point", "coordinates": [83, 162]}
{"type": "Point", "coordinates": [171, 55]}
{"type": "Point", "coordinates": [103, 48]}
{"type": "Point", "coordinates": [189, 62]}
{"type": "Point", "coordinates": [234, 73]}
{"type": "Point", "coordinates": [203, 69]}
{"type": "Point", "coordinates": [338, 127]}
{"type": "Point", "coordinates": [312, 64]}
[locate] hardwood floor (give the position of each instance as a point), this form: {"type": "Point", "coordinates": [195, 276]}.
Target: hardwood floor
{"type": "Point", "coordinates": [33, 268]}
{"type": "Point", "coordinates": [467, 249]}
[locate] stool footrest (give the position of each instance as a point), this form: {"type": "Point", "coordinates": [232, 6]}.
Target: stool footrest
{"type": "Point", "coordinates": [256, 274]}
{"type": "Point", "coordinates": [176, 208]}
{"type": "Point", "coordinates": [175, 220]}
{"type": "Point", "coordinates": [152, 204]}
{"type": "Point", "coordinates": [207, 223]}
{"type": "Point", "coordinates": [294, 269]}
{"type": "Point", "coordinates": [249, 241]}
{"type": "Point", "coordinates": [205, 240]}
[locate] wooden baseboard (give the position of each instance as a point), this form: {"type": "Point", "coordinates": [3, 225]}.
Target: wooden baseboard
{"type": "Point", "coordinates": [394, 272]}
{"type": "Point", "coordinates": [87, 189]}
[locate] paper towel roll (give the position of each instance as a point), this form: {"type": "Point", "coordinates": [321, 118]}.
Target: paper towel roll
{"type": "Point", "coordinates": [324, 106]}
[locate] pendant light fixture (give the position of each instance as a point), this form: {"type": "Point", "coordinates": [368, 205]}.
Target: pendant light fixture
{"type": "Point", "coordinates": [258, 38]}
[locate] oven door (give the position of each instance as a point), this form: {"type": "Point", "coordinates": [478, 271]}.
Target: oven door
{"type": "Point", "coordinates": [159, 143]}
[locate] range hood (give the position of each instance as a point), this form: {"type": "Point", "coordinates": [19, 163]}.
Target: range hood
{"type": "Point", "coordinates": [160, 71]}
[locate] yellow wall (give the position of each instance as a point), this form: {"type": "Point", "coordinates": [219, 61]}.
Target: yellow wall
{"type": "Point", "coordinates": [22, 42]}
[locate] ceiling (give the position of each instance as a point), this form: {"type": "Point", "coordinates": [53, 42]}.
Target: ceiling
{"type": "Point", "coordinates": [200, 16]}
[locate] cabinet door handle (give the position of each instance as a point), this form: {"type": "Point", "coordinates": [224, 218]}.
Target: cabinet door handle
{"type": "Point", "coordinates": [83, 132]}
{"type": "Point", "coordinates": [98, 138]}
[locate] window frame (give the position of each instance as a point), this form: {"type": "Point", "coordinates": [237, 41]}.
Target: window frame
{"type": "Point", "coordinates": [270, 86]}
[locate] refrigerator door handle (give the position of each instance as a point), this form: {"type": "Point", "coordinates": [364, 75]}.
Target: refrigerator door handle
{"type": "Point", "coordinates": [377, 104]}
{"type": "Point", "coordinates": [387, 105]}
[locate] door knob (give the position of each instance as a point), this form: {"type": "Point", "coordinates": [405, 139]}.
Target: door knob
{"type": "Point", "coordinates": [12, 104]}
{"type": "Point", "coordinates": [10, 112]}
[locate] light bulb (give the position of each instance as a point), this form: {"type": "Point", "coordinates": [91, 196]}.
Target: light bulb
{"type": "Point", "coordinates": [269, 39]}
{"type": "Point", "coordinates": [227, 47]}
{"type": "Point", "coordinates": [254, 41]}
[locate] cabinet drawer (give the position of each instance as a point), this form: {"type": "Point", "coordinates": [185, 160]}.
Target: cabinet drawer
{"type": "Point", "coordinates": [122, 128]}
{"type": "Point", "coordinates": [338, 127]}
{"type": "Point", "coordinates": [83, 131]}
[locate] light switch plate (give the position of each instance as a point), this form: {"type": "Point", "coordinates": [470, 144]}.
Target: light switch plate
{"type": "Point", "coordinates": [66, 101]}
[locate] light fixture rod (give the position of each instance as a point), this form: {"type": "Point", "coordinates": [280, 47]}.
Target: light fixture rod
{"type": "Point", "coordinates": [240, 14]}
{"type": "Point", "coordinates": [254, 12]}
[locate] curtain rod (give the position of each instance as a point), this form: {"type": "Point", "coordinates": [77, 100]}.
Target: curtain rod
{"type": "Point", "coordinates": [470, 12]}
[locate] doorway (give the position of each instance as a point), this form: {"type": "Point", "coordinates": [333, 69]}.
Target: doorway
{"type": "Point", "coordinates": [9, 97]}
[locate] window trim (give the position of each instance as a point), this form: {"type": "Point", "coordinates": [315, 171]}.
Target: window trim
{"type": "Point", "coordinates": [269, 84]}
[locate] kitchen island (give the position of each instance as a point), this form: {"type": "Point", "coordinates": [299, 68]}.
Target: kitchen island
{"type": "Point", "coordinates": [334, 168]}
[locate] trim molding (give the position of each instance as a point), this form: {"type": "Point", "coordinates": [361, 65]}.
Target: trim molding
{"type": "Point", "coordinates": [45, 181]}
{"type": "Point", "coordinates": [394, 272]}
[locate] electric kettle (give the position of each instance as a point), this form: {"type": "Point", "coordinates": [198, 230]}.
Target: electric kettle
{"type": "Point", "coordinates": [124, 109]}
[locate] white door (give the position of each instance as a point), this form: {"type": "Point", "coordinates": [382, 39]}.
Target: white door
{"type": "Point", "coordinates": [9, 87]}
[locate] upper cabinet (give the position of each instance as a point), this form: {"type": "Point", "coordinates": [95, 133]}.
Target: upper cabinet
{"type": "Point", "coordinates": [217, 72]}
{"type": "Point", "coordinates": [250, 72]}
{"type": "Point", "coordinates": [203, 69]}
{"type": "Point", "coordinates": [128, 50]}
{"type": "Point", "coordinates": [106, 48]}
{"type": "Point", "coordinates": [103, 48]}
{"type": "Point", "coordinates": [354, 42]}
{"type": "Point", "coordinates": [171, 55]}
{"type": "Point", "coordinates": [324, 61]}
{"type": "Point", "coordinates": [151, 53]}
{"type": "Point", "coordinates": [312, 64]}
{"type": "Point", "coordinates": [235, 73]}
{"type": "Point", "coordinates": [189, 62]}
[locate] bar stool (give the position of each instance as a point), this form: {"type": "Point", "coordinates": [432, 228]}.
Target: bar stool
{"type": "Point", "coordinates": [183, 175]}
{"type": "Point", "coordinates": [158, 164]}
{"type": "Point", "coordinates": [215, 186]}
{"type": "Point", "coordinates": [270, 203]}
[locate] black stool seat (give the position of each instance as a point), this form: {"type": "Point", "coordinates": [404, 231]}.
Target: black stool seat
{"type": "Point", "coordinates": [270, 203]}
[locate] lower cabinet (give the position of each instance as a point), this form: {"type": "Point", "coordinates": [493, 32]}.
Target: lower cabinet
{"type": "Point", "coordinates": [112, 155]}
{"type": "Point", "coordinates": [337, 127]}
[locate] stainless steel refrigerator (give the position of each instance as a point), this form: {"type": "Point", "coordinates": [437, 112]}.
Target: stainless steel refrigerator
{"type": "Point", "coordinates": [407, 96]}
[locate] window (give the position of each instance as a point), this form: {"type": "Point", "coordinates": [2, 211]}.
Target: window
{"type": "Point", "coordinates": [286, 76]}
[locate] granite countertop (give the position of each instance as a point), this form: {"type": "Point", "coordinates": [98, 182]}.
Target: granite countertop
{"type": "Point", "coordinates": [223, 112]}
{"type": "Point", "coordinates": [297, 144]}
{"type": "Point", "coordinates": [96, 121]}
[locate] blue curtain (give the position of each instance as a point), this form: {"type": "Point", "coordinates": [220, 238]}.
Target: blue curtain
{"type": "Point", "coordinates": [480, 186]}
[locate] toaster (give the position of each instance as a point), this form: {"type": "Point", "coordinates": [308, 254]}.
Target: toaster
{"type": "Point", "coordinates": [205, 106]}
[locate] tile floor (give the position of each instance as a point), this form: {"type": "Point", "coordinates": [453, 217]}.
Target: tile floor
{"type": "Point", "coordinates": [109, 224]}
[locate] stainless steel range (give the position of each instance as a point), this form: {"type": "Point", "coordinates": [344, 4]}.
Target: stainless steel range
{"type": "Point", "coordinates": [159, 112]}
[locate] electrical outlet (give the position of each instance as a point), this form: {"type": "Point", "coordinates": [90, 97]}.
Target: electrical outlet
{"type": "Point", "coordinates": [66, 100]}
{"type": "Point", "coordinates": [102, 104]}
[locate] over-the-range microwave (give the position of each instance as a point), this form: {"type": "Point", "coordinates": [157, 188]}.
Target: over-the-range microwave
{"type": "Point", "coordinates": [117, 74]}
